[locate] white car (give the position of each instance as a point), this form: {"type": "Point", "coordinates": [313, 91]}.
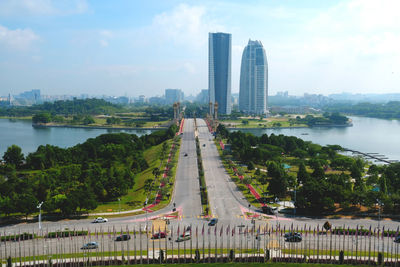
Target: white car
{"type": "Point", "coordinates": [90, 245]}
{"type": "Point", "coordinates": [100, 220]}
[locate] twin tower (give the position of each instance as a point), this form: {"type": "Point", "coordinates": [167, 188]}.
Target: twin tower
{"type": "Point", "coordinates": [253, 75]}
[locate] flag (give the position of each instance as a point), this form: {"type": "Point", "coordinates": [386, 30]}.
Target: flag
{"type": "Point", "coordinates": [369, 232]}
{"type": "Point", "coordinates": [215, 230]}
{"type": "Point", "coordinates": [177, 232]}
{"type": "Point", "coordinates": [220, 232]}
{"type": "Point", "coordinates": [202, 230]}
{"type": "Point", "coordinates": [228, 229]}
{"type": "Point", "coordinates": [196, 231]}
{"type": "Point", "coordinates": [233, 231]}
{"type": "Point", "coordinates": [357, 231]}
{"type": "Point", "coordinates": [383, 231]}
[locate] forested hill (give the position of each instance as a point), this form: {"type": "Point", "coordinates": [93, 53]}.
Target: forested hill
{"type": "Point", "coordinates": [80, 177]}
{"type": "Point", "coordinates": [91, 106]}
{"type": "Point", "coordinates": [390, 110]}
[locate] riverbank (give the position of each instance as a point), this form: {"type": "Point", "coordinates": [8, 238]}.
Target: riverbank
{"type": "Point", "coordinates": [48, 125]}
{"type": "Point", "coordinates": [289, 127]}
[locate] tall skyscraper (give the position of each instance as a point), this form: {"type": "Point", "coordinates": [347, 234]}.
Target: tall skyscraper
{"type": "Point", "coordinates": [253, 92]}
{"type": "Point", "coordinates": [219, 70]}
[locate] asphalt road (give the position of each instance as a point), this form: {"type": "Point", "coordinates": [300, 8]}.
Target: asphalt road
{"type": "Point", "coordinates": [226, 200]}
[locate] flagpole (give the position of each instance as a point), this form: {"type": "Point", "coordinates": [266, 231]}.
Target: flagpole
{"type": "Point", "coordinates": [134, 243]}
{"type": "Point", "coordinates": [152, 234]}
{"type": "Point", "coordinates": [191, 254]}
{"type": "Point", "coordinates": [209, 245]}
{"type": "Point", "coordinates": [172, 243]}
{"type": "Point", "coordinates": [203, 237]}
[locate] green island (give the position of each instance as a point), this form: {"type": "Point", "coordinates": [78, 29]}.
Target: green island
{"type": "Point", "coordinates": [109, 173]}
{"type": "Point", "coordinates": [317, 178]}
{"type": "Point", "coordinates": [91, 113]}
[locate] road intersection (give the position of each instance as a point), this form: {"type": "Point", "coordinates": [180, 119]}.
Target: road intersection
{"type": "Point", "coordinates": [226, 201]}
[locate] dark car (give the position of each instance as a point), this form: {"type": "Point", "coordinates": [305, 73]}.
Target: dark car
{"type": "Point", "coordinates": [204, 145]}
{"type": "Point", "coordinates": [123, 237]}
{"type": "Point", "coordinates": [293, 237]}
{"type": "Point", "coordinates": [213, 222]}
{"type": "Point", "coordinates": [186, 155]}
{"type": "Point", "coordinates": [397, 239]}
{"type": "Point", "coordinates": [159, 235]}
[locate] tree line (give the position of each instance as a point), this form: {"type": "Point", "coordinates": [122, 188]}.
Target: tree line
{"type": "Point", "coordinates": [390, 110]}
{"type": "Point", "coordinates": [76, 178]}
{"type": "Point", "coordinates": [324, 179]}
{"type": "Point", "coordinates": [91, 106]}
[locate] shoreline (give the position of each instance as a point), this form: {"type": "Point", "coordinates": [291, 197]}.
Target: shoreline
{"type": "Point", "coordinates": [293, 127]}
{"type": "Point", "coordinates": [98, 127]}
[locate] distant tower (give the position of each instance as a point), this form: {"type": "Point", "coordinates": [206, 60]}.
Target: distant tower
{"type": "Point", "coordinates": [253, 92]}
{"type": "Point", "coordinates": [219, 70]}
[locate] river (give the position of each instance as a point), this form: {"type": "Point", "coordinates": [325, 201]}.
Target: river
{"type": "Point", "coordinates": [21, 133]}
{"type": "Point", "coordinates": [366, 135]}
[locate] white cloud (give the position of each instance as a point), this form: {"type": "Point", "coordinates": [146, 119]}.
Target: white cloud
{"type": "Point", "coordinates": [18, 39]}
{"type": "Point", "coordinates": [185, 25]}
{"type": "Point", "coordinates": [105, 36]}
{"type": "Point", "coordinates": [42, 7]}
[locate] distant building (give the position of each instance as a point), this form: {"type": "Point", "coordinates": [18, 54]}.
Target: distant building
{"type": "Point", "coordinates": [29, 97]}
{"type": "Point", "coordinates": [202, 97]}
{"type": "Point", "coordinates": [173, 95]}
{"type": "Point", "coordinates": [157, 100]}
{"type": "Point", "coordinates": [219, 70]}
{"type": "Point", "coordinates": [253, 79]}
{"type": "Point", "coordinates": [122, 100]}
{"type": "Point", "coordinates": [141, 99]}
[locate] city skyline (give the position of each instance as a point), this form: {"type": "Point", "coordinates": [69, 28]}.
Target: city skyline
{"type": "Point", "coordinates": [95, 47]}
{"type": "Point", "coordinates": [253, 92]}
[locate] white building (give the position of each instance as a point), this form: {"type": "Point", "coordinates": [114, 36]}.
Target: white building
{"type": "Point", "coordinates": [253, 92]}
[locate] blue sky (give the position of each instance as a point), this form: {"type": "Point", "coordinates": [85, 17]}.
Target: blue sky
{"type": "Point", "coordinates": [138, 47]}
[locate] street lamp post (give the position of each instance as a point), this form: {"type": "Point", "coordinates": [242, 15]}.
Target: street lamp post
{"type": "Point", "coordinates": [379, 213]}
{"type": "Point", "coordinates": [119, 205]}
{"type": "Point", "coordinates": [277, 211]}
{"type": "Point", "coordinates": [39, 206]}
{"type": "Point", "coordinates": [294, 204]}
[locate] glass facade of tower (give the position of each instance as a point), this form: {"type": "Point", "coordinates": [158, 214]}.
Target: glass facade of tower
{"type": "Point", "coordinates": [219, 70]}
{"type": "Point", "coordinates": [253, 92]}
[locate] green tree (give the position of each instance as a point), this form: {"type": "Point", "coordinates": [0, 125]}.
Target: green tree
{"type": "Point", "coordinates": [26, 204]}
{"type": "Point", "coordinates": [42, 117]}
{"type": "Point", "coordinates": [302, 174]}
{"type": "Point", "coordinates": [13, 155]}
{"type": "Point", "coordinates": [88, 120]}
{"type": "Point", "coordinates": [250, 166]}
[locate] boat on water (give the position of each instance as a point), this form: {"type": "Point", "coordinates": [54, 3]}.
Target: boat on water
{"type": "Point", "coordinates": [304, 133]}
